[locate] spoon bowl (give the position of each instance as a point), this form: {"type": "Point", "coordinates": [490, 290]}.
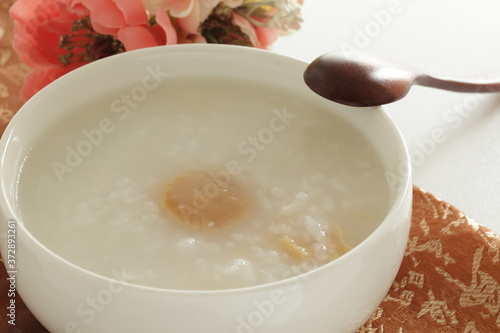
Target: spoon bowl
{"type": "Point", "coordinates": [364, 80]}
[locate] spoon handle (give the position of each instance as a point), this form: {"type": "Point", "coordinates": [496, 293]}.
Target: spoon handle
{"type": "Point", "coordinates": [479, 86]}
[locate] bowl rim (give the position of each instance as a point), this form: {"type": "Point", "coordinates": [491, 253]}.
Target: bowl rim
{"type": "Point", "coordinates": [8, 203]}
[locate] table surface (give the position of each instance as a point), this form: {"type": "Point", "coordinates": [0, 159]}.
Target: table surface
{"type": "Point", "coordinates": [453, 138]}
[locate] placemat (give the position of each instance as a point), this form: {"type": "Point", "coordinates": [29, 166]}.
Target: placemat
{"type": "Point", "coordinates": [449, 280]}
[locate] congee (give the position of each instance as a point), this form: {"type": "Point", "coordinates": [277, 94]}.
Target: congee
{"type": "Point", "coordinates": [201, 183]}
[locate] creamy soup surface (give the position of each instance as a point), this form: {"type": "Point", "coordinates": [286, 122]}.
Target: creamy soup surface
{"type": "Point", "coordinates": [202, 184]}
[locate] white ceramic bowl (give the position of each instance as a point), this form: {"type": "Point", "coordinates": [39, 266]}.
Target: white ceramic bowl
{"type": "Point", "coordinates": [337, 297]}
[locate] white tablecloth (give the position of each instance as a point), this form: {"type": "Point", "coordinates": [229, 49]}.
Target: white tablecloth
{"type": "Point", "coordinates": [453, 138]}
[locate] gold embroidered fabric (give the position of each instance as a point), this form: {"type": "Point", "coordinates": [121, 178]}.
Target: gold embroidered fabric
{"type": "Point", "coordinates": [449, 280]}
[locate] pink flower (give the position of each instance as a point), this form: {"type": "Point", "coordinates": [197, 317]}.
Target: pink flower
{"type": "Point", "coordinates": [55, 36]}
{"type": "Point", "coordinates": [127, 21]}
{"type": "Point", "coordinates": [266, 36]}
{"type": "Point", "coordinates": [38, 27]}
{"type": "Point", "coordinates": [137, 37]}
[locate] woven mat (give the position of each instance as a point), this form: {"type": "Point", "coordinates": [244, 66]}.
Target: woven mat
{"type": "Point", "coordinates": [449, 280]}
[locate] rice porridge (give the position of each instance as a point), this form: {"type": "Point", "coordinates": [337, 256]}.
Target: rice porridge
{"type": "Point", "coordinates": [204, 183]}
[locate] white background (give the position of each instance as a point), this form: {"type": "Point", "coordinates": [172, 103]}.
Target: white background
{"type": "Point", "coordinates": [461, 163]}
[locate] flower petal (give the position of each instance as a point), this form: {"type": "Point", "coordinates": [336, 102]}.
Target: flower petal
{"type": "Point", "coordinates": [247, 28]}
{"type": "Point", "coordinates": [134, 12]}
{"type": "Point", "coordinates": [104, 13]}
{"type": "Point", "coordinates": [39, 78]}
{"type": "Point", "coordinates": [30, 15]}
{"type": "Point", "coordinates": [103, 29]}
{"type": "Point", "coordinates": [23, 10]}
{"type": "Point", "coordinates": [266, 36]}
{"type": "Point", "coordinates": [136, 37]}
{"type": "Point", "coordinates": [179, 8]}
{"type": "Point", "coordinates": [164, 21]}
{"type": "Point", "coordinates": [75, 7]}
{"type": "Point", "coordinates": [191, 22]}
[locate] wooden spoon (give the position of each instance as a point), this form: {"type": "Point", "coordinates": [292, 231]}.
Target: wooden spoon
{"type": "Point", "coordinates": [365, 80]}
